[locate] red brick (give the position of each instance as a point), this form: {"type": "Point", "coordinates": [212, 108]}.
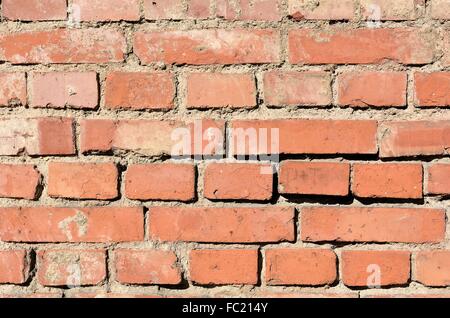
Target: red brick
{"type": "Point", "coordinates": [224, 225]}
{"type": "Point", "coordinates": [414, 138]}
{"type": "Point", "coordinates": [199, 8]}
{"type": "Point", "coordinates": [314, 178]}
{"type": "Point", "coordinates": [71, 268]}
{"type": "Point", "coordinates": [363, 268]}
{"type": "Point", "coordinates": [165, 181]}
{"type": "Point", "coordinates": [64, 89]}
{"type": "Point", "coordinates": [47, 224]}
{"type": "Point", "coordinates": [304, 136]}
{"type": "Point", "coordinates": [362, 89]}
{"type": "Point", "coordinates": [381, 10]}
{"type": "Point", "coordinates": [224, 267]}
{"type": "Point", "coordinates": [287, 88]}
{"type": "Point", "coordinates": [34, 10]}
{"type": "Point", "coordinates": [433, 268]}
{"type": "Point", "coordinates": [446, 49]}
{"type": "Point", "coordinates": [60, 46]}
{"type": "Point", "coordinates": [439, 179]}
{"type": "Point", "coordinates": [153, 137]}
{"type": "Point", "coordinates": [140, 90]}
{"type": "Point", "coordinates": [147, 267]}
{"type": "Point", "coordinates": [19, 181]}
{"type": "Point", "coordinates": [353, 224]}
{"type": "Point", "coordinates": [262, 10]}
{"type": "Point", "coordinates": [211, 90]}
{"type": "Point", "coordinates": [321, 10]}
{"type": "Point", "coordinates": [82, 180]}
{"type": "Point", "coordinates": [13, 89]}
{"type": "Point", "coordinates": [388, 180]}
{"type": "Point", "coordinates": [199, 47]}
{"type": "Point", "coordinates": [308, 267]}
{"type": "Point", "coordinates": [432, 89]}
{"type": "Point", "coordinates": [111, 10]}
{"type": "Point", "coordinates": [164, 9]}
{"type": "Point", "coordinates": [37, 136]}
{"type": "Point", "coordinates": [360, 46]}
{"type": "Point", "coordinates": [14, 266]}
{"type": "Point", "coordinates": [440, 9]}
{"type": "Point", "coordinates": [238, 181]}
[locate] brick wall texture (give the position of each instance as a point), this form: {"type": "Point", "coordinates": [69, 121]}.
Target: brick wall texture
{"type": "Point", "coordinates": [224, 148]}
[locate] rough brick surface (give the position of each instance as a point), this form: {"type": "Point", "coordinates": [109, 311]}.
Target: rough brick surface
{"type": "Point", "coordinates": [224, 148]}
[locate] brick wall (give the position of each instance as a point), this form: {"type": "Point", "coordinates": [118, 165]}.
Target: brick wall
{"type": "Point", "coordinates": [279, 148]}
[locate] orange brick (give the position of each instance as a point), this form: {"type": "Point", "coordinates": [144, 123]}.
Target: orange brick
{"type": "Point", "coordinates": [34, 10]}
{"type": "Point", "coordinates": [223, 225]}
{"type": "Point", "coordinates": [432, 89]}
{"type": "Point", "coordinates": [200, 47]}
{"type": "Point", "coordinates": [19, 181]}
{"type": "Point", "coordinates": [314, 178]}
{"type": "Point", "coordinates": [82, 180]}
{"type": "Point", "coordinates": [139, 90]}
{"type": "Point", "coordinates": [237, 181]}
{"type": "Point", "coordinates": [439, 179]}
{"type": "Point", "coordinates": [160, 182]}
{"type": "Point", "coordinates": [372, 89]}
{"type": "Point", "coordinates": [307, 267]}
{"type": "Point", "coordinates": [47, 224]}
{"type": "Point", "coordinates": [147, 267]}
{"type": "Point", "coordinates": [213, 90]}
{"type": "Point", "coordinates": [386, 180]}
{"type": "Point", "coordinates": [224, 267]}
{"type": "Point", "coordinates": [360, 46]}
{"type": "Point", "coordinates": [375, 268]}
{"type": "Point", "coordinates": [433, 268]}
{"type": "Point", "coordinates": [341, 224]}
{"type": "Point", "coordinates": [14, 266]}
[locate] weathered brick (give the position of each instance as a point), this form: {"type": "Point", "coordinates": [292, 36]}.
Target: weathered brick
{"type": "Point", "coordinates": [42, 224]}
{"type": "Point", "coordinates": [34, 10]}
{"type": "Point", "coordinates": [440, 9]}
{"type": "Point", "coordinates": [361, 46]}
{"type": "Point", "coordinates": [288, 88]}
{"type": "Point", "coordinates": [439, 179]}
{"type": "Point", "coordinates": [37, 136]}
{"type": "Point", "coordinates": [366, 224]}
{"type": "Point", "coordinates": [14, 267]}
{"type": "Point", "coordinates": [82, 180]}
{"type": "Point", "coordinates": [224, 267]}
{"type": "Point", "coordinates": [224, 225]}
{"type": "Point", "coordinates": [61, 46]}
{"type": "Point", "coordinates": [388, 180]}
{"type": "Point", "coordinates": [314, 178]}
{"type": "Point", "coordinates": [432, 89]}
{"type": "Point", "coordinates": [367, 89]}
{"type": "Point", "coordinates": [414, 138]}
{"type": "Point", "coordinates": [238, 181]}
{"type": "Point", "coordinates": [13, 89]}
{"type": "Point", "coordinates": [19, 181]}
{"type": "Point", "coordinates": [375, 268]}
{"type": "Point", "coordinates": [262, 10]}
{"type": "Point", "coordinates": [308, 267]}
{"type": "Point", "coordinates": [381, 10]}
{"type": "Point", "coordinates": [139, 90]}
{"type": "Point", "coordinates": [321, 9]}
{"type": "Point", "coordinates": [71, 267]}
{"type": "Point", "coordinates": [111, 10]}
{"type": "Point", "coordinates": [199, 47]}
{"type": "Point", "coordinates": [213, 90]}
{"type": "Point", "coordinates": [149, 267]}
{"type": "Point", "coordinates": [153, 137]}
{"type": "Point", "coordinates": [304, 137]}
{"type": "Point", "coordinates": [165, 181]}
{"type": "Point", "coordinates": [59, 90]}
